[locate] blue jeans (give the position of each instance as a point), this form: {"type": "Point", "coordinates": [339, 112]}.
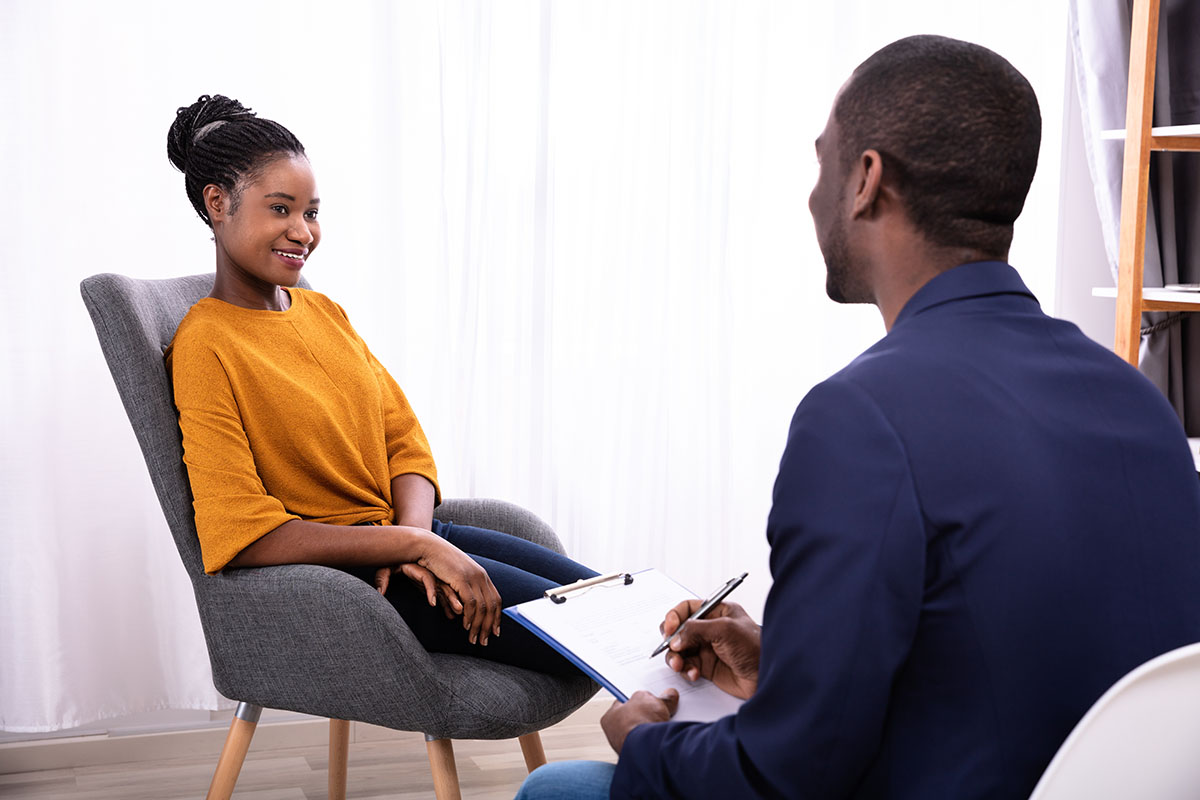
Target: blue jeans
{"type": "Point", "coordinates": [568, 780]}
{"type": "Point", "coordinates": [520, 571]}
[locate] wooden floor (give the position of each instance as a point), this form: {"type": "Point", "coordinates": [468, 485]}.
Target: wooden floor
{"type": "Point", "coordinates": [387, 770]}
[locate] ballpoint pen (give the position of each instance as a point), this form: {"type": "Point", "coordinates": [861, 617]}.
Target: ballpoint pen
{"type": "Point", "coordinates": [705, 607]}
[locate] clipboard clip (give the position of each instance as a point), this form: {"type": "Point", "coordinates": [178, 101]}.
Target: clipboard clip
{"type": "Point", "coordinates": [559, 594]}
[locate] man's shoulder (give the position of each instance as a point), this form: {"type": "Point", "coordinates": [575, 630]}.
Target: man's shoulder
{"type": "Point", "coordinates": [896, 357]}
{"type": "Point", "coordinates": [933, 346]}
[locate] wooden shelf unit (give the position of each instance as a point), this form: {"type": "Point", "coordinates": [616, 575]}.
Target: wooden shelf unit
{"type": "Point", "coordinates": [1140, 140]}
{"type": "Point", "coordinates": [1159, 299]}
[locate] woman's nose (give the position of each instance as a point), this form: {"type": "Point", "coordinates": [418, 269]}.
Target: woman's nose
{"type": "Point", "coordinates": [300, 233]}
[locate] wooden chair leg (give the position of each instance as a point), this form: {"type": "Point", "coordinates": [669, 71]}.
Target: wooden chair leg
{"type": "Point", "coordinates": [531, 748]}
{"type": "Point", "coordinates": [445, 773]}
{"type": "Point", "coordinates": [229, 765]}
{"type": "Point", "coordinates": [339, 749]}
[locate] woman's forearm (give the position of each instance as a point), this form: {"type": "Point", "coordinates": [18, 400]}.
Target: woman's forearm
{"type": "Point", "coordinates": [302, 542]}
{"type": "Point", "coordinates": [412, 498]}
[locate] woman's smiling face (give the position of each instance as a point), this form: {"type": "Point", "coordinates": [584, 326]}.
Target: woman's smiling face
{"type": "Point", "coordinates": [267, 232]}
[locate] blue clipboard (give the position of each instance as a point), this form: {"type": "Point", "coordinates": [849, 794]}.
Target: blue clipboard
{"type": "Point", "coordinates": [561, 595]}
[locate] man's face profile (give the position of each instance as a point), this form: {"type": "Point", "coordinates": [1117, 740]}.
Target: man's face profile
{"type": "Point", "coordinates": [828, 212]}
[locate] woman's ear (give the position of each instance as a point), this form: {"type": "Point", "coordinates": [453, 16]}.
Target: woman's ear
{"type": "Point", "coordinates": [216, 203]}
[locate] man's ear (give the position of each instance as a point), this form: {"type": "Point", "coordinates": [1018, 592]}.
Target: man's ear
{"type": "Point", "coordinates": [868, 177]}
{"type": "Point", "coordinates": [216, 202]}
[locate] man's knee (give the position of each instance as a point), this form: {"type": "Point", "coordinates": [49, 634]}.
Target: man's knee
{"type": "Point", "coordinates": [577, 780]}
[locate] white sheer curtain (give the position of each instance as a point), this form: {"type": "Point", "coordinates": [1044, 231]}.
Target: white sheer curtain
{"type": "Point", "coordinates": [577, 234]}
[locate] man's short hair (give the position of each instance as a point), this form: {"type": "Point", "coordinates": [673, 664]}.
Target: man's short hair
{"type": "Point", "coordinates": [958, 129]}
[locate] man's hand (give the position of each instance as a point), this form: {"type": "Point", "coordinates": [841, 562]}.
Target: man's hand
{"type": "Point", "coordinates": [621, 718]}
{"type": "Point", "coordinates": [723, 647]}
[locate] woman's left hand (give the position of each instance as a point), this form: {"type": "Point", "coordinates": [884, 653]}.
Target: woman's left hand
{"type": "Point", "coordinates": [436, 592]}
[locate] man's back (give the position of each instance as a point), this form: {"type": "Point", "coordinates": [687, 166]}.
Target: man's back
{"type": "Point", "coordinates": [979, 525]}
{"type": "Point", "coordinates": [1062, 523]}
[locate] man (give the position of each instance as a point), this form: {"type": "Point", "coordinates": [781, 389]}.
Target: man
{"type": "Point", "coordinates": [978, 526]}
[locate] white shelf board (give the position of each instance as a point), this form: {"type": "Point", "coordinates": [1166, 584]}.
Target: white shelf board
{"type": "Point", "coordinates": [1165, 131]}
{"type": "Point", "coordinates": [1165, 295]}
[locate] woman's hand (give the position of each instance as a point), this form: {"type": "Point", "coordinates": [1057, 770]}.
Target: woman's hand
{"type": "Point", "coordinates": [470, 590]}
{"type": "Point", "coordinates": [436, 592]}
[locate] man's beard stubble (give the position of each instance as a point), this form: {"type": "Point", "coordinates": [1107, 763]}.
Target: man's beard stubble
{"type": "Point", "coordinates": [842, 283]}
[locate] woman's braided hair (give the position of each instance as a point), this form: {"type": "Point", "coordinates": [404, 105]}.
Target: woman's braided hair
{"type": "Point", "coordinates": [217, 140]}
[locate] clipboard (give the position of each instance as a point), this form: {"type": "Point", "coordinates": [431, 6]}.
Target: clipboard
{"type": "Point", "coordinates": [560, 594]}
{"type": "Point", "coordinates": [608, 626]}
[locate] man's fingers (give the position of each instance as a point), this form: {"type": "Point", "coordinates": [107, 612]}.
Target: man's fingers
{"type": "Point", "coordinates": [677, 615]}
{"type": "Point", "coordinates": [671, 698]}
{"type": "Point", "coordinates": [697, 633]}
{"type": "Point", "coordinates": [689, 668]}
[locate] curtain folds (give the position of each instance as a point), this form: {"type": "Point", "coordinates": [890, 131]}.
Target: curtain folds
{"type": "Point", "coordinates": [1099, 34]}
{"type": "Point", "coordinates": [576, 233]}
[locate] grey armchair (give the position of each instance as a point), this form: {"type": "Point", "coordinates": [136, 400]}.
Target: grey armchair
{"type": "Point", "coordinates": [303, 637]}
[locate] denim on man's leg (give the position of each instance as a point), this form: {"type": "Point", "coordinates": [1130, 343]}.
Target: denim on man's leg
{"type": "Point", "coordinates": [568, 780]}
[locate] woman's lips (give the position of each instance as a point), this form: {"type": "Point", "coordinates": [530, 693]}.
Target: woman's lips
{"type": "Point", "coordinates": [292, 260]}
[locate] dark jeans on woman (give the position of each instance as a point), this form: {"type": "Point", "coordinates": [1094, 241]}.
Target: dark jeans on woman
{"type": "Point", "coordinates": [520, 571]}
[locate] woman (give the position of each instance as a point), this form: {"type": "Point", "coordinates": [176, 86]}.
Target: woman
{"type": "Point", "coordinates": [300, 448]}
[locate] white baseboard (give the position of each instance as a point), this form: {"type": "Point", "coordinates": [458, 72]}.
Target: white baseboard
{"type": "Point", "coordinates": [277, 730]}
{"type": "Point", "coordinates": [88, 751]}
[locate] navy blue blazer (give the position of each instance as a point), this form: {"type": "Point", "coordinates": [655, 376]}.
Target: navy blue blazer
{"type": "Point", "coordinates": [979, 525]}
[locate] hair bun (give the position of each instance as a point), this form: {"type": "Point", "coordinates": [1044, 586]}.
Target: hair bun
{"type": "Point", "coordinates": [195, 121]}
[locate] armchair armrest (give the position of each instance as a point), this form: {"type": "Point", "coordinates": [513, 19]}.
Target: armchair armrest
{"type": "Point", "coordinates": [312, 639]}
{"type": "Point", "coordinates": [500, 515]}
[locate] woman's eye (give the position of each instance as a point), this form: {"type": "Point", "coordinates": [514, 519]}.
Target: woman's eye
{"type": "Point", "coordinates": [312, 214]}
{"type": "Point", "coordinates": [279, 209]}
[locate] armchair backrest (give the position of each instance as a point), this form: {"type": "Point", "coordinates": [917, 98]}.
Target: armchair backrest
{"type": "Point", "coordinates": [135, 321]}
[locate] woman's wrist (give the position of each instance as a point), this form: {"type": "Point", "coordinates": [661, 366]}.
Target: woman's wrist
{"type": "Point", "coordinates": [416, 543]}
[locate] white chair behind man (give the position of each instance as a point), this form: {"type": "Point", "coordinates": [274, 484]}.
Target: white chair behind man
{"type": "Point", "coordinates": [1141, 739]}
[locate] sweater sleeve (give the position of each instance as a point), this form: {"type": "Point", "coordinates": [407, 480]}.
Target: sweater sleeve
{"type": "Point", "coordinates": [232, 507]}
{"type": "Point", "coordinates": [408, 449]}
{"type": "Point", "coordinates": [847, 558]}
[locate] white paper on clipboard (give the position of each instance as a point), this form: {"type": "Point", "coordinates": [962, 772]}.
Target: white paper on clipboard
{"type": "Point", "coordinates": [609, 631]}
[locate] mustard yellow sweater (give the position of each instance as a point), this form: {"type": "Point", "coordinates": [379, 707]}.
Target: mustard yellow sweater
{"type": "Point", "coordinates": [286, 415]}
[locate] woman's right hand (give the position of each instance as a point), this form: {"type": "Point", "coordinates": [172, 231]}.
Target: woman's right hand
{"type": "Point", "coordinates": [470, 584]}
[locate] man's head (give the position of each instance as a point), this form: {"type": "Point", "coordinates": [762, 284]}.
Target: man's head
{"type": "Point", "coordinates": [952, 131]}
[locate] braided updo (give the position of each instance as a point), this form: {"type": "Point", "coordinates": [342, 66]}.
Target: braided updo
{"type": "Point", "coordinates": [217, 140]}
